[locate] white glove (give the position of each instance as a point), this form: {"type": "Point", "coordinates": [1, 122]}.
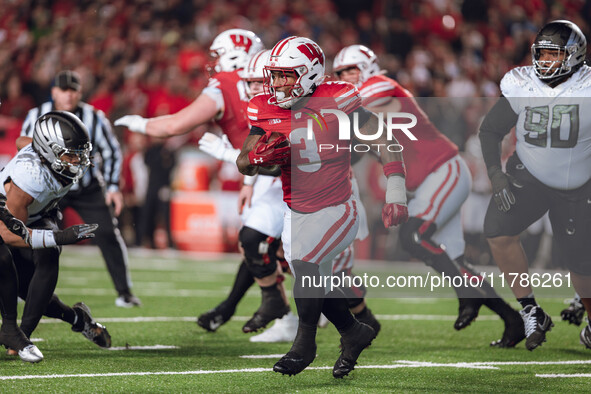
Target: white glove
{"type": "Point", "coordinates": [134, 123]}
{"type": "Point", "coordinates": [220, 148]}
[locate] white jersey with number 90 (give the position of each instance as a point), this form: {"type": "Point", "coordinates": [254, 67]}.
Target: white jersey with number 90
{"type": "Point", "coordinates": [554, 126]}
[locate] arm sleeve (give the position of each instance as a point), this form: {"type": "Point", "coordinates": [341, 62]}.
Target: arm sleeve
{"type": "Point", "coordinates": [364, 115]}
{"type": "Point", "coordinates": [496, 124]}
{"type": "Point", "coordinates": [256, 130]}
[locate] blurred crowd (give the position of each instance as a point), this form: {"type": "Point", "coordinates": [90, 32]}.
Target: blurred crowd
{"type": "Point", "coordinates": [150, 58]}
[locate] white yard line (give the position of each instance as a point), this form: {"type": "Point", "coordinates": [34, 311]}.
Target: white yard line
{"type": "Point", "coordinates": [148, 319]}
{"type": "Point", "coordinates": [154, 347]}
{"type": "Point", "coordinates": [400, 364]}
{"type": "Point", "coordinates": [563, 375]}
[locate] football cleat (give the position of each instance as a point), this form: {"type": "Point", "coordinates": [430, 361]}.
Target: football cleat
{"type": "Point", "coordinates": [514, 332]}
{"type": "Point", "coordinates": [14, 339]}
{"type": "Point", "coordinates": [574, 313]}
{"type": "Point", "coordinates": [293, 363]}
{"type": "Point", "coordinates": [271, 308]}
{"type": "Point", "coordinates": [127, 300]}
{"type": "Point", "coordinates": [369, 319]}
{"type": "Point", "coordinates": [214, 318]}
{"type": "Point", "coordinates": [284, 330]}
{"type": "Point", "coordinates": [93, 331]}
{"type": "Point", "coordinates": [586, 335]}
{"type": "Point", "coordinates": [468, 312]}
{"type": "Point", "coordinates": [353, 341]}
{"type": "Point", "coordinates": [537, 323]}
{"type": "Point", "coordinates": [30, 354]}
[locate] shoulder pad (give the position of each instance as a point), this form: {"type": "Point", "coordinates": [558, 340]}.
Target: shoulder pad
{"type": "Point", "coordinates": [514, 81]}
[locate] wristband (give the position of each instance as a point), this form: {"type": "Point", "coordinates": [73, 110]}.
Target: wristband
{"type": "Point", "coordinates": [396, 190]}
{"type": "Point", "coordinates": [394, 167]}
{"type": "Point", "coordinates": [41, 239]}
{"type": "Point", "coordinates": [249, 180]}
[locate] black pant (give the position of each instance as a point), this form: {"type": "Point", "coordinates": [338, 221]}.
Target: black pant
{"type": "Point", "coordinates": [37, 277]}
{"type": "Point", "coordinates": [90, 204]}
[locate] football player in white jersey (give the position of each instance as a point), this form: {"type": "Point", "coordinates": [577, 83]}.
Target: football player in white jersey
{"type": "Point", "coordinates": [33, 182]}
{"type": "Point", "coordinates": [549, 105]}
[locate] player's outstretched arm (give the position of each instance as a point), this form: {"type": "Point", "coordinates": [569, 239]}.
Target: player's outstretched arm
{"type": "Point", "coordinates": [200, 111]}
{"type": "Point", "coordinates": [15, 233]}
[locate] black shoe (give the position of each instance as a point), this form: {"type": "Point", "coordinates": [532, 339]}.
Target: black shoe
{"type": "Point", "coordinates": [369, 319]}
{"type": "Point", "coordinates": [353, 341]}
{"type": "Point", "coordinates": [293, 363]}
{"type": "Point", "coordinates": [271, 308]}
{"type": "Point", "coordinates": [93, 331]}
{"type": "Point", "coordinates": [513, 334]}
{"type": "Point", "coordinates": [214, 318]}
{"type": "Point", "coordinates": [574, 313]}
{"type": "Point", "coordinates": [537, 323]}
{"type": "Point", "coordinates": [468, 311]}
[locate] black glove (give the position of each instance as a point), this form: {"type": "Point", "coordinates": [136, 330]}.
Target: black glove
{"type": "Point", "coordinates": [501, 188]}
{"type": "Point", "coordinates": [13, 224]}
{"type": "Point", "coordinates": [75, 234]}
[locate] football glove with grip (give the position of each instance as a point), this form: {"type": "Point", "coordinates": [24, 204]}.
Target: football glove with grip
{"type": "Point", "coordinates": [501, 188]}
{"type": "Point", "coordinates": [395, 211]}
{"type": "Point", "coordinates": [134, 123]}
{"type": "Point", "coordinates": [48, 238]}
{"type": "Point", "coordinates": [219, 148]}
{"type": "Point", "coordinates": [266, 153]}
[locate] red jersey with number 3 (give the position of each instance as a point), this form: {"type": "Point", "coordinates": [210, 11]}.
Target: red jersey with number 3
{"type": "Point", "coordinates": [317, 174]}
{"type": "Point", "coordinates": [233, 120]}
{"type": "Point", "coordinates": [431, 149]}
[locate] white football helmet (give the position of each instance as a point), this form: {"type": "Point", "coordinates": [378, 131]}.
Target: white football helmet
{"type": "Point", "coordinates": [295, 54]}
{"type": "Point", "coordinates": [232, 48]}
{"type": "Point", "coordinates": [254, 70]}
{"type": "Point", "coordinates": [358, 56]}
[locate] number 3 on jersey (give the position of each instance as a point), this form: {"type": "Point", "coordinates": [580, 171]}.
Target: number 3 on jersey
{"type": "Point", "coordinates": [309, 158]}
{"type": "Point", "coordinates": [538, 118]}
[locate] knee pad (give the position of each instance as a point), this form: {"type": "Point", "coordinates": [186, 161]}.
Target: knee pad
{"type": "Point", "coordinates": [259, 252]}
{"type": "Point", "coordinates": [415, 237]}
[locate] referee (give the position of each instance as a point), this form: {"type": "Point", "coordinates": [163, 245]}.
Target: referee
{"type": "Point", "coordinates": [93, 196]}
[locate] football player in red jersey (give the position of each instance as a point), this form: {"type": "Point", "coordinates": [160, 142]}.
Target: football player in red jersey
{"type": "Point", "coordinates": [224, 100]}
{"type": "Point", "coordinates": [440, 184]}
{"type": "Point", "coordinates": [322, 217]}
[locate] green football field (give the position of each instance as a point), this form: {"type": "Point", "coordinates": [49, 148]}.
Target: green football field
{"type": "Point", "coordinates": [159, 348]}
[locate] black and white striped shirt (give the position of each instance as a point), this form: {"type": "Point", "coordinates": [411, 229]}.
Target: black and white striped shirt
{"type": "Point", "coordinates": [105, 147]}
